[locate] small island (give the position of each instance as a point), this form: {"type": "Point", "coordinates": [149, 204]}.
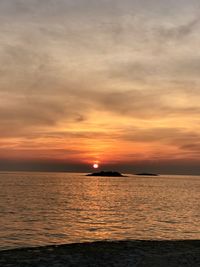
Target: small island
{"type": "Point", "coordinates": [106, 174]}
{"type": "Point", "coordinates": [147, 174]}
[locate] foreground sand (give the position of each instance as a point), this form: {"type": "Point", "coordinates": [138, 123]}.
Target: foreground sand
{"type": "Point", "coordinates": [123, 253]}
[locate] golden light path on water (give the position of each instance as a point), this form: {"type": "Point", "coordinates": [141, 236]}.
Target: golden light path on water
{"type": "Point", "coordinates": [55, 208]}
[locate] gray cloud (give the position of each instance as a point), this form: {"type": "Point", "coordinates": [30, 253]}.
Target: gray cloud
{"type": "Point", "coordinates": [179, 32]}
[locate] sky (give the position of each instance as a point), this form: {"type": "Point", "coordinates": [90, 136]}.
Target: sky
{"type": "Point", "coordinates": [107, 81]}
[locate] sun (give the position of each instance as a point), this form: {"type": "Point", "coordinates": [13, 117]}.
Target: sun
{"type": "Point", "coordinates": [95, 165]}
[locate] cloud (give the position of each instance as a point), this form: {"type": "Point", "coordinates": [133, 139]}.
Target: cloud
{"type": "Point", "coordinates": [180, 137]}
{"type": "Point", "coordinates": [152, 103]}
{"type": "Point", "coordinates": [29, 114]}
{"type": "Point", "coordinates": [163, 134]}
{"type": "Point", "coordinates": [25, 113]}
{"type": "Point", "coordinates": [192, 147]}
{"type": "Point", "coordinates": [134, 71]}
{"type": "Point", "coordinates": [78, 73]}
{"type": "Point", "coordinates": [181, 31]}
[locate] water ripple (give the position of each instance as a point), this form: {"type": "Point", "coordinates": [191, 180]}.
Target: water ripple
{"type": "Point", "coordinates": [54, 208]}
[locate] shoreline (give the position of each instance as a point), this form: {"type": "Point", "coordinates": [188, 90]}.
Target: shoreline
{"type": "Point", "coordinates": [142, 253]}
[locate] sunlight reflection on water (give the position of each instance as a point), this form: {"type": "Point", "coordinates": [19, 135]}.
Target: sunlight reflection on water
{"type": "Point", "coordinates": [55, 208]}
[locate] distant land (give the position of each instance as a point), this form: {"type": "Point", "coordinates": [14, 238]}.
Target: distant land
{"type": "Point", "coordinates": [106, 173]}
{"type": "Point", "coordinates": [147, 174]}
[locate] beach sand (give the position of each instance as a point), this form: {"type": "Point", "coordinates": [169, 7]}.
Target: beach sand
{"type": "Point", "coordinates": [122, 253]}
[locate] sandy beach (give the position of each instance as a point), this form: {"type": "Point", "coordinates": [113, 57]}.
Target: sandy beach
{"type": "Point", "coordinates": [119, 254]}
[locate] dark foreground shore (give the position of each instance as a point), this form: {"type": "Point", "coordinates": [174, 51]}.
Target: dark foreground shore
{"type": "Point", "coordinates": [123, 253]}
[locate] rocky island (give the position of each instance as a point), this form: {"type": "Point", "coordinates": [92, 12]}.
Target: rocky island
{"type": "Point", "coordinates": [106, 174]}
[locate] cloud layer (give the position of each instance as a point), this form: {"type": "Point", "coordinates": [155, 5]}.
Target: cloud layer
{"type": "Point", "coordinates": [110, 81]}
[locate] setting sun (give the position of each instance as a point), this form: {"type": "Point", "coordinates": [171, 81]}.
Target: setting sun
{"type": "Point", "coordinates": [95, 165]}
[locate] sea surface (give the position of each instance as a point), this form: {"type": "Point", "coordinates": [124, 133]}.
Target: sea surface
{"type": "Point", "coordinates": [39, 209]}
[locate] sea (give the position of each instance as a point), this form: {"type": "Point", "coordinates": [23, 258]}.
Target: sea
{"type": "Point", "coordinates": [38, 209]}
